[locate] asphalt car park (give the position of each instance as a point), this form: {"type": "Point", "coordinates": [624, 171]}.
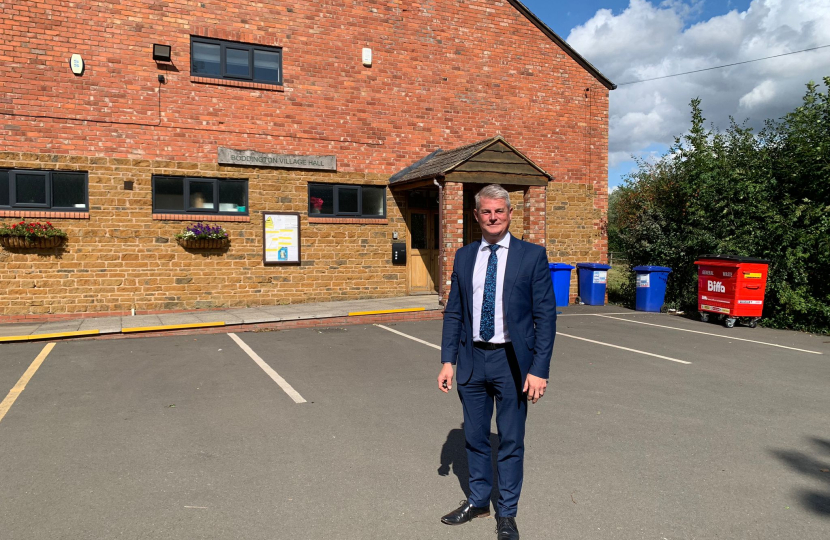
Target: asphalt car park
{"type": "Point", "coordinates": [653, 427]}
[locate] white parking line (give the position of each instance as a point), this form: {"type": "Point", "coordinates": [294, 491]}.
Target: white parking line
{"type": "Point", "coordinates": [585, 314]}
{"type": "Point", "coordinates": [427, 343]}
{"type": "Point", "coordinates": [293, 394]}
{"type": "Point", "coordinates": [558, 334]}
{"type": "Point", "coordinates": [710, 334]}
{"type": "Point", "coordinates": [623, 348]}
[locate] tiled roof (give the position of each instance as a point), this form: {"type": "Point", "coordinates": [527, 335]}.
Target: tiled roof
{"type": "Point", "coordinates": [440, 162]}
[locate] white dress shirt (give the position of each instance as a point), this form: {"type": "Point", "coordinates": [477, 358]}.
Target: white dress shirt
{"type": "Point", "coordinates": [479, 275]}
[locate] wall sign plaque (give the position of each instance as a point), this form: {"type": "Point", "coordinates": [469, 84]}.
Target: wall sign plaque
{"type": "Point", "coordinates": [229, 156]}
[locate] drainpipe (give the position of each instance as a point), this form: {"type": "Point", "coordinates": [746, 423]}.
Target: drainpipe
{"type": "Point", "coordinates": [440, 239]}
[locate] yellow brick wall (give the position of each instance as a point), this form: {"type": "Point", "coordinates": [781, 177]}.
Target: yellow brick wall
{"type": "Point", "coordinates": [121, 258]}
{"type": "Point", "coordinates": [574, 231]}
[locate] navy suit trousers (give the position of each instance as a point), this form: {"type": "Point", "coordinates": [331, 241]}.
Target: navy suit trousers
{"type": "Point", "coordinates": [496, 379]}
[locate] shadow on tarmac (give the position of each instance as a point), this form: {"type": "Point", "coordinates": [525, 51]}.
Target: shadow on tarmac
{"type": "Point", "coordinates": [454, 457]}
{"type": "Point", "coordinates": [812, 500]}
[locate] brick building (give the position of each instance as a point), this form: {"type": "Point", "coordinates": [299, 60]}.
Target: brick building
{"type": "Point", "coordinates": [372, 121]}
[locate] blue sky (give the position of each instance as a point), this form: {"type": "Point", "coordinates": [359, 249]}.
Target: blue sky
{"type": "Point", "coordinates": [685, 35]}
{"type": "Point", "coordinates": [563, 16]}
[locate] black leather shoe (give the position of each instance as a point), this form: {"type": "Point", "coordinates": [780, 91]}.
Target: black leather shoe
{"type": "Point", "coordinates": [464, 513]}
{"type": "Point", "coordinates": [506, 529]}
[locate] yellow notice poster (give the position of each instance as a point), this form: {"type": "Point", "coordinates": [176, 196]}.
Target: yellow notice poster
{"type": "Point", "coordinates": [281, 238]}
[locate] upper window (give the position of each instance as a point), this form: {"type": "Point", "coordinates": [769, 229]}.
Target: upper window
{"type": "Point", "coordinates": [44, 190]}
{"type": "Point", "coordinates": [327, 200]}
{"type": "Point", "coordinates": [236, 61]}
{"type": "Point", "coordinates": [179, 194]}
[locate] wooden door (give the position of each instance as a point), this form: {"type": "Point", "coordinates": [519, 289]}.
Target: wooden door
{"type": "Point", "coordinates": [422, 262]}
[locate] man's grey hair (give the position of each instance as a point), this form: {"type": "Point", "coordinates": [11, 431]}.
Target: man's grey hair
{"type": "Point", "coordinates": [493, 191]}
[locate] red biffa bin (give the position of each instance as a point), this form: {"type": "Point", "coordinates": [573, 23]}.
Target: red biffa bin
{"type": "Point", "coordinates": [733, 287]}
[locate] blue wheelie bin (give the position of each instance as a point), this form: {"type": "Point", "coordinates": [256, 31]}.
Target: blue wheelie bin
{"type": "Point", "coordinates": [592, 280]}
{"type": "Point", "coordinates": [651, 287]}
{"type": "Point", "coordinates": [560, 274]}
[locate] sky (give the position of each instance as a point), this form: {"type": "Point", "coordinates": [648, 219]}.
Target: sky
{"type": "Point", "coordinates": [631, 40]}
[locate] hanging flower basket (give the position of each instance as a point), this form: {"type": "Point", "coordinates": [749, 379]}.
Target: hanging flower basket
{"type": "Point", "coordinates": [203, 236]}
{"type": "Point", "coordinates": [31, 235]}
{"type": "Point", "coordinates": [204, 243]}
{"type": "Point", "coordinates": [21, 242]}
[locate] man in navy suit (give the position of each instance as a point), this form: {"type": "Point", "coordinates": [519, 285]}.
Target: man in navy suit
{"type": "Point", "coordinates": [499, 328]}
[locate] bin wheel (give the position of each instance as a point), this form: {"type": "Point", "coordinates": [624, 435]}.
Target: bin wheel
{"type": "Point", "coordinates": [704, 317]}
{"type": "Point", "coordinates": [729, 322]}
{"type": "Point", "coordinates": [753, 323]}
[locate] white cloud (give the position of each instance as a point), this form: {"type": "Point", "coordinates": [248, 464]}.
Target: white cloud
{"type": "Point", "coordinates": [760, 95]}
{"type": "Point", "coordinates": [648, 40]}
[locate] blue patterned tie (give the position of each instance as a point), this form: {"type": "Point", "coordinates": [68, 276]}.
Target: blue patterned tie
{"type": "Point", "coordinates": [488, 306]}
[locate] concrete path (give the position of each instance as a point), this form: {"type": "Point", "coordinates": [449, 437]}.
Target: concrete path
{"type": "Point", "coordinates": [86, 326]}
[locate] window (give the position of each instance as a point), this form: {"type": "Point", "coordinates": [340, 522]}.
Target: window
{"type": "Point", "coordinates": [179, 194]}
{"type": "Point", "coordinates": [237, 61]}
{"type": "Point", "coordinates": [44, 190]}
{"type": "Point", "coordinates": [328, 200]}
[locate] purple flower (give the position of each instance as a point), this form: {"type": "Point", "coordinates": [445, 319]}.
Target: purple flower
{"type": "Point", "coordinates": [203, 231]}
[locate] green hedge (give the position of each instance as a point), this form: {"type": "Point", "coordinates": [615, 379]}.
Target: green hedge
{"type": "Point", "coordinates": [738, 192]}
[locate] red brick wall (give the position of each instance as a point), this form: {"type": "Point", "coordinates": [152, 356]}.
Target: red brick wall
{"type": "Point", "coordinates": [452, 214]}
{"type": "Point", "coordinates": [534, 215]}
{"type": "Point", "coordinates": [445, 74]}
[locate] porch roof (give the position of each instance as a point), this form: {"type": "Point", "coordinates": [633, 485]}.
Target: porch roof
{"type": "Point", "coordinates": [492, 160]}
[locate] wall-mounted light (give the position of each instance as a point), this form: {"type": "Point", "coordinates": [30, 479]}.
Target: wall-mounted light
{"type": "Point", "coordinates": [161, 53]}
{"type": "Point", "coordinates": [76, 63]}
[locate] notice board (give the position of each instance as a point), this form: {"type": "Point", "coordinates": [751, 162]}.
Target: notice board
{"type": "Point", "coordinates": [281, 239]}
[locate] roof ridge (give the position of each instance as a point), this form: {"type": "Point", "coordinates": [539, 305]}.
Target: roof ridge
{"type": "Point", "coordinates": [470, 145]}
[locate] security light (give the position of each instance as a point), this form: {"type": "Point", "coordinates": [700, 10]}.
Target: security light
{"type": "Point", "coordinates": [161, 53]}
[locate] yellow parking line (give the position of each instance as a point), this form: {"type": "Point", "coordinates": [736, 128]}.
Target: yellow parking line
{"type": "Point", "coordinates": [170, 327]}
{"type": "Point", "coordinates": [408, 310]}
{"type": "Point", "coordinates": [7, 403]}
{"type": "Point", "coordinates": [58, 335]}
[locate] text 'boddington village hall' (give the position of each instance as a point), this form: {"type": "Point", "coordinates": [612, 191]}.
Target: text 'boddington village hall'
{"type": "Point", "coordinates": [341, 130]}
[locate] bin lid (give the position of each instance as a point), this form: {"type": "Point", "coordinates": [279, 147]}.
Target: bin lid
{"type": "Point", "coordinates": [651, 269]}
{"type": "Point", "coordinates": [560, 266]}
{"type": "Point", "coordinates": [733, 258]}
{"type": "Point", "coordinates": [594, 266]}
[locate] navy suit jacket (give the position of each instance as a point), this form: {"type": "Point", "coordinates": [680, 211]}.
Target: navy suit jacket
{"type": "Point", "coordinates": [529, 309]}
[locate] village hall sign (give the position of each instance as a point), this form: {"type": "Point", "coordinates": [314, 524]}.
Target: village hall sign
{"type": "Point", "coordinates": [229, 156]}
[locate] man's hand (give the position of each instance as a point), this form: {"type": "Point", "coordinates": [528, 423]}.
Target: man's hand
{"type": "Point", "coordinates": [535, 387]}
{"type": "Point", "coordinates": [445, 378]}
